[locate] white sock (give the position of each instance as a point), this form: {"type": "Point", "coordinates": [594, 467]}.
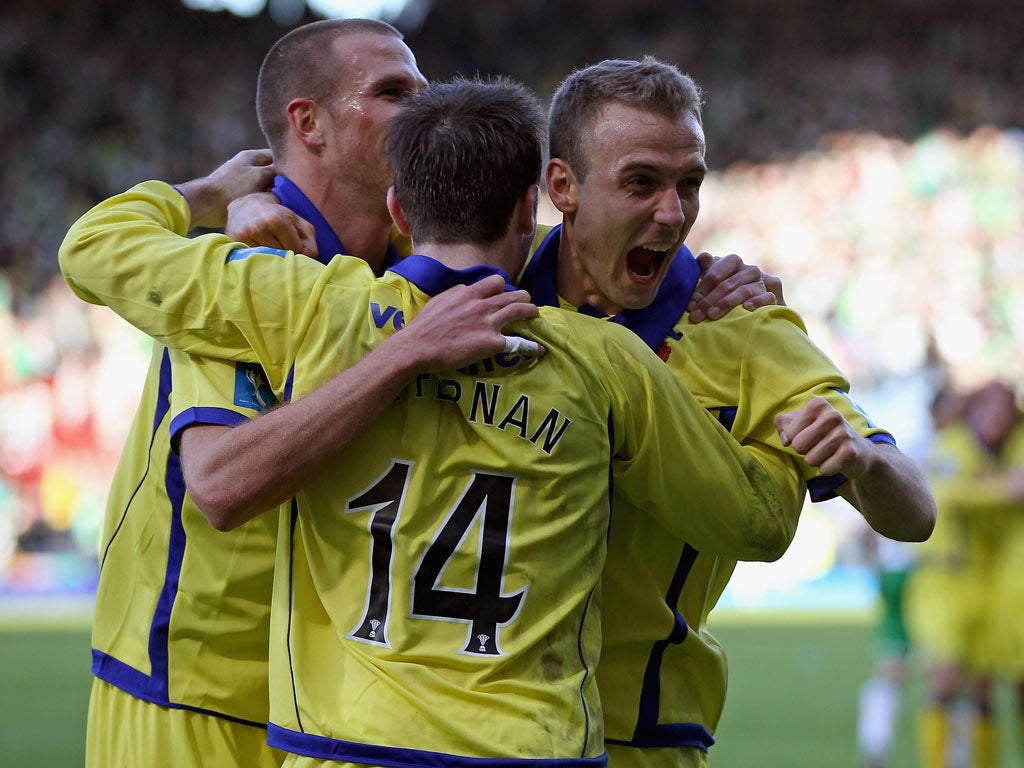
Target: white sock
{"type": "Point", "coordinates": [876, 721]}
{"type": "Point", "coordinates": [961, 734]}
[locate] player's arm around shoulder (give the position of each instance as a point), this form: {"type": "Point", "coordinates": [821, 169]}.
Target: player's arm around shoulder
{"type": "Point", "coordinates": [100, 244]}
{"type": "Point", "coordinates": [131, 253]}
{"type": "Point", "coordinates": [731, 362]}
{"type": "Point", "coordinates": [827, 431]}
{"type": "Point", "coordinates": [676, 461]}
{"type": "Point", "coordinates": [207, 295]}
{"type": "Point", "coordinates": [96, 253]}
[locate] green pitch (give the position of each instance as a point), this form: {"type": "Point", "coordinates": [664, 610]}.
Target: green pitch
{"type": "Point", "coordinates": [44, 695]}
{"type": "Point", "coordinates": [793, 686]}
{"type": "Point", "coordinates": [792, 699]}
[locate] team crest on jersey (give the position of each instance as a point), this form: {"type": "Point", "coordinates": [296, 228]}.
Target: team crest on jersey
{"type": "Point", "coordinates": [664, 350]}
{"type": "Point", "coordinates": [251, 387]}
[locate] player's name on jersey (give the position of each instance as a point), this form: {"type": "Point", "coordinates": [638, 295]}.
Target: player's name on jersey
{"type": "Point", "coordinates": [491, 404]}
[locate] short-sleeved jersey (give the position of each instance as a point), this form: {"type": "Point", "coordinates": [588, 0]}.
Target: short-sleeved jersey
{"type": "Point", "coordinates": [976, 511]}
{"type": "Point", "coordinates": [436, 595]}
{"type": "Point", "coordinates": [662, 674]}
{"type": "Point", "coordinates": [182, 610]}
{"type": "Point", "coordinates": [966, 584]}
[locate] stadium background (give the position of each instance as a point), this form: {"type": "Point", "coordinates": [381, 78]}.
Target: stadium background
{"type": "Point", "coordinates": [870, 154]}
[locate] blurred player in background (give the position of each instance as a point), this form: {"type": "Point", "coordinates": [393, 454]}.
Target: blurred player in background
{"type": "Point", "coordinates": [957, 602]}
{"type": "Point", "coordinates": [881, 695]}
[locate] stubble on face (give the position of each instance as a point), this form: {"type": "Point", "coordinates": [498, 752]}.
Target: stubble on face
{"type": "Point", "coordinates": [379, 74]}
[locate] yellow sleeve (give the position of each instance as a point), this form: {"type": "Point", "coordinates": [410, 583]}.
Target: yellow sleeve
{"type": "Point", "coordinates": [205, 295]}
{"type": "Point", "coordinates": [213, 391]}
{"type": "Point", "coordinates": [758, 365]}
{"type": "Point", "coordinates": [679, 464]}
{"type": "Point", "coordinates": [966, 478]}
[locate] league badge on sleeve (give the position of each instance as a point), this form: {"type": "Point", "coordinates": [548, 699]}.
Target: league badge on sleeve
{"type": "Point", "coordinates": [251, 387]}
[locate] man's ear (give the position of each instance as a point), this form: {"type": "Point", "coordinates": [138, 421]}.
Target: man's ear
{"type": "Point", "coordinates": [303, 117]}
{"type": "Point", "coordinates": [397, 214]}
{"type": "Point", "coordinates": [563, 189]}
{"type": "Point", "coordinates": [527, 211]}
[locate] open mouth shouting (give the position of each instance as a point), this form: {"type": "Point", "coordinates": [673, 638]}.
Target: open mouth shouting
{"type": "Point", "coordinates": [644, 262]}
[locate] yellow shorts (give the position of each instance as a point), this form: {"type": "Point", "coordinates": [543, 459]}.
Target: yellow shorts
{"type": "Point", "coordinates": [126, 732]}
{"type": "Point", "coordinates": [301, 761]}
{"type": "Point", "coordinates": [951, 619]}
{"type": "Point", "coordinates": [292, 760]}
{"type": "Point", "coordinates": [661, 757]}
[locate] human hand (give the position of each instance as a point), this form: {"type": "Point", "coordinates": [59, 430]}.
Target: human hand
{"type": "Point", "coordinates": [250, 170]}
{"type": "Point", "coordinates": [825, 439]}
{"type": "Point", "coordinates": [727, 282]}
{"type": "Point", "coordinates": [464, 324]}
{"type": "Point", "coordinates": [260, 219]}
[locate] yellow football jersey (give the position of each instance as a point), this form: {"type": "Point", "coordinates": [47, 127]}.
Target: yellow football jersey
{"type": "Point", "coordinates": [172, 623]}
{"type": "Point", "coordinates": [462, 564]}
{"type": "Point", "coordinates": [663, 675]}
{"type": "Point", "coordinates": [966, 584]}
{"type": "Point", "coordinates": [182, 611]}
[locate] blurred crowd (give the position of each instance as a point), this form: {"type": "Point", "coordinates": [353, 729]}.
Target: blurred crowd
{"type": "Point", "coordinates": [777, 75]}
{"type": "Point", "coordinates": [878, 173]}
{"type": "Point", "coordinates": [70, 376]}
{"type": "Point", "coordinates": [900, 256]}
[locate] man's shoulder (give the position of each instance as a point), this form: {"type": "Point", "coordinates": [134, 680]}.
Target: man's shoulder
{"type": "Point", "coordinates": [742, 331]}
{"type": "Point", "coordinates": [591, 329]}
{"type": "Point", "coordinates": [601, 341]}
{"type": "Point", "coordinates": [740, 321]}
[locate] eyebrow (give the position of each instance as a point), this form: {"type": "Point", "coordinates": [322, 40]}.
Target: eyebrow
{"type": "Point", "coordinates": [394, 81]}
{"type": "Point", "coordinates": [639, 165]}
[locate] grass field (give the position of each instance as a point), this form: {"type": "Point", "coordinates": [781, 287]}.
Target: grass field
{"type": "Point", "coordinates": [791, 704]}
{"type": "Point", "coordinates": [792, 699]}
{"type": "Point", "coordinates": [44, 693]}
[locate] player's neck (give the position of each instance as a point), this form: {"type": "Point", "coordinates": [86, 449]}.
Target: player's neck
{"type": "Point", "coordinates": [507, 253]}
{"type": "Point", "coordinates": [504, 255]}
{"type": "Point", "coordinates": [358, 218]}
{"type": "Point", "coordinates": [573, 281]}
{"type": "Point", "coordinates": [364, 236]}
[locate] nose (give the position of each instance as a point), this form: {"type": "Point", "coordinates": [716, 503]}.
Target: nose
{"type": "Point", "coordinates": [669, 212]}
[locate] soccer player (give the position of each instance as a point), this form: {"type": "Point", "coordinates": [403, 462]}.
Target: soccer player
{"type": "Point", "coordinates": [962, 602]}
{"type": "Point", "coordinates": [881, 695]}
{"type": "Point", "coordinates": [182, 611]}
{"type": "Point", "coordinates": [471, 517]}
{"type": "Point", "coordinates": [627, 162]}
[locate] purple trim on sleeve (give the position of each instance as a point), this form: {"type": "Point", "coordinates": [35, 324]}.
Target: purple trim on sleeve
{"type": "Point", "coordinates": [825, 487]}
